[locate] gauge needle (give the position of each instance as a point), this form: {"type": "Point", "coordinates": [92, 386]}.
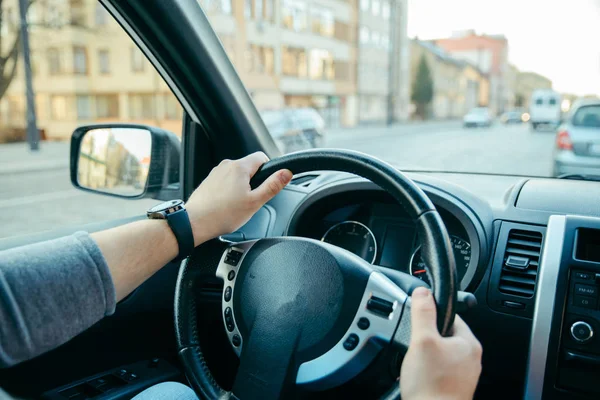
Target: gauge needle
{"type": "Point", "coordinates": [419, 271]}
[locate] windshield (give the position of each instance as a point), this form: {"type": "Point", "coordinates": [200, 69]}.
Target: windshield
{"type": "Point", "coordinates": [423, 84]}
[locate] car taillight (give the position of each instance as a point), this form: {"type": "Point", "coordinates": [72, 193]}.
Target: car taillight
{"type": "Point", "coordinates": [563, 141]}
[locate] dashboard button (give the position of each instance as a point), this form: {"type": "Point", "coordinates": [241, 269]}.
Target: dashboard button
{"type": "Point", "coordinates": [584, 276]}
{"type": "Point", "coordinates": [582, 332]}
{"type": "Point", "coordinates": [513, 304]}
{"type": "Point", "coordinates": [236, 340]}
{"type": "Point", "coordinates": [586, 290]}
{"type": "Point", "coordinates": [227, 294]}
{"type": "Point", "coordinates": [351, 342]}
{"type": "Point", "coordinates": [584, 301]}
{"type": "Point", "coordinates": [231, 275]}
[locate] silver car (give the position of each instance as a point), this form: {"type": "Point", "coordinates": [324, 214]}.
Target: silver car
{"type": "Point", "coordinates": [577, 150]}
{"type": "Point", "coordinates": [295, 129]}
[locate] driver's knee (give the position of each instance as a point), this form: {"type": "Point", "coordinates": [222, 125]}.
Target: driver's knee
{"type": "Point", "coordinates": [167, 391]}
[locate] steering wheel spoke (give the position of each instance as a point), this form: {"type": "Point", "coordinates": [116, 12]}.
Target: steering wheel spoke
{"type": "Point", "coordinates": [380, 310]}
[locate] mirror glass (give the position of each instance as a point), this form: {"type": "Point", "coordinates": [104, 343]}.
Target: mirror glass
{"type": "Point", "coordinates": [115, 160]}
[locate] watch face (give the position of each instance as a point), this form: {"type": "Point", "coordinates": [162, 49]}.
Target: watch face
{"type": "Point", "coordinates": [166, 206]}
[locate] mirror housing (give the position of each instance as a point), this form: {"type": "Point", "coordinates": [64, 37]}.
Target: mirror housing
{"type": "Point", "coordinates": [126, 160]}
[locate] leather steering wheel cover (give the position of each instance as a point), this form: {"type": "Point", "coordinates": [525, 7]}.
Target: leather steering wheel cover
{"type": "Point", "coordinates": [404, 190]}
{"type": "Point", "coordinates": [201, 265]}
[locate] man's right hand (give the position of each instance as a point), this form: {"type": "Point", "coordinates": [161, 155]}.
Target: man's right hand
{"type": "Point", "coordinates": [437, 367]}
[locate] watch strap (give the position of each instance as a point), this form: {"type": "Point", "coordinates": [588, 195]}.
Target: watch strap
{"type": "Point", "coordinates": [179, 222]}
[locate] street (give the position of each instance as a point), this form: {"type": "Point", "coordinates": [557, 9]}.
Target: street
{"type": "Point", "coordinates": [38, 188]}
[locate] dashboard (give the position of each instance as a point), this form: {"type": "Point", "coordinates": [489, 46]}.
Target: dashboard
{"type": "Point", "coordinates": [497, 225]}
{"type": "Point", "coordinates": [372, 225]}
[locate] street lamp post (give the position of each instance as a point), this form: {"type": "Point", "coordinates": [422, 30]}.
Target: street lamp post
{"type": "Point", "coordinates": [33, 135]}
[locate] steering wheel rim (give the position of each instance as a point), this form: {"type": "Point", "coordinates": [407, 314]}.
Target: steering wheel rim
{"type": "Point", "coordinates": [436, 252]}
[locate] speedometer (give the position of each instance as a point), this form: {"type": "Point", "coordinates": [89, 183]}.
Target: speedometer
{"type": "Point", "coordinates": [462, 254]}
{"type": "Point", "coordinates": [354, 237]}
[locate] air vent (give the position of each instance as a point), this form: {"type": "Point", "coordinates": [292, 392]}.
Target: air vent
{"type": "Point", "coordinates": [520, 264]}
{"type": "Point", "coordinates": [303, 180]}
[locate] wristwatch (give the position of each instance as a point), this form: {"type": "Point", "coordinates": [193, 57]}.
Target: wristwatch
{"type": "Point", "coordinates": [177, 218]}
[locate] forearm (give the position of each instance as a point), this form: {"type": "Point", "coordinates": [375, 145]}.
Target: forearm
{"type": "Point", "coordinates": [134, 252]}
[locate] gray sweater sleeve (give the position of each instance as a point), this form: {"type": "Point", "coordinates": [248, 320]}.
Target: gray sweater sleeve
{"type": "Point", "coordinates": [49, 293]}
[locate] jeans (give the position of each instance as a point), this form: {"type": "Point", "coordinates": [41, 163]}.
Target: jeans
{"type": "Point", "coordinates": [167, 391]}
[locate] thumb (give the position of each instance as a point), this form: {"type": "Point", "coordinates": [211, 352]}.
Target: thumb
{"type": "Point", "coordinates": [423, 314]}
{"type": "Point", "coordinates": [272, 185]}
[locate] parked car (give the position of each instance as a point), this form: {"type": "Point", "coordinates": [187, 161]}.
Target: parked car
{"type": "Point", "coordinates": [578, 141]}
{"type": "Point", "coordinates": [295, 129]}
{"type": "Point", "coordinates": [479, 116]}
{"type": "Point", "coordinates": [545, 108]}
{"type": "Point", "coordinates": [512, 117]}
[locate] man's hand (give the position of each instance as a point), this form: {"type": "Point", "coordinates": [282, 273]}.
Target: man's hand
{"type": "Point", "coordinates": [437, 367]}
{"type": "Point", "coordinates": [224, 201]}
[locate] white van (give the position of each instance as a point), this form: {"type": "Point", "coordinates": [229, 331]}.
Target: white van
{"type": "Point", "coordinates": [544, 108]}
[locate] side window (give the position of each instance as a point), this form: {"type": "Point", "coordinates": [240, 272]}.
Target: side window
{"type": "Point", "coordinates": [84, 69]}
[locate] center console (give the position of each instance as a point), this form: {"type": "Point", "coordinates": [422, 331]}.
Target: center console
{"type": "Point", "coordinates": [564, 358]}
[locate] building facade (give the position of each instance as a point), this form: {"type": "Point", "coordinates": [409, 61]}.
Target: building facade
{"type": "Point", "coordinates": [383, 61]}
{"type": "Point", "coordinates": [458, 85]}
{"type": "Point", "coordinates": [85, 70]}
{"type": "Point", "coordinates": [489, 53]}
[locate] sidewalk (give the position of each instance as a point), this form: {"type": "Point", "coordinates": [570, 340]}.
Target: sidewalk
{"type": "Point", "coordinates": [16, 158]}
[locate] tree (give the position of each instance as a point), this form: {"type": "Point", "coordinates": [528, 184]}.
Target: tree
{"type": "Point", "coordinates": [519, 100]}
{"type": "Point", "coordinates": [8, 59]}
{"type": "Point", "coordinates": [422, 88]}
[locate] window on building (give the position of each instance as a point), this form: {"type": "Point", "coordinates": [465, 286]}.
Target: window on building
{"type": "Point", "coordinates": [79, 60]}
{"type": "Point", "coordinates": [322, 21]}
{"type": "Point", "coordinates": [321, 64]}
{"type": "Point", "coordinates": [84, 107]}
{"type": "Point", "coordinates": [376, 38]}
{"type": "Point", "coordinates": [260, 59]}
{"type": "Point", "coordinates": [364, 5]}
{"type": "Point", "coordinates": [173, 110]}
{"type": "Point", "coordinates": [365, 35]}
{"type": "Point", "coordinates": [385, 9]}
{"type": "Point", "coordinates": [58, 107]}
{"type": "Point", "coordinates": [77, 9]}
{"type": "Point", "coordinates": [54, 65]}
{"type": "Point", "coordinates": [294, 62]}
{"type": "Point", "coordinates": [137, 60]}
{"type": "Point", "coordinates": [100, 15]}
{"type": "Point", "coordinates": [141, 106]}
{"type": "Point", "coordinates": [258, 9]}
{"type": "Point", "coordinates": [375, 7]}
{"type": "Point", "coordinates": [107, 106]}
{"type": "Point", "coordinates": [269, 10]}
{"type": "Point", "coordinates": [248, 9]}
{"type": "Point", "coordinates": [552, 101]}
{"type": "Point", "coordinates": [294, 15]}
{"type": "Point", "coordinates": [103, 61]}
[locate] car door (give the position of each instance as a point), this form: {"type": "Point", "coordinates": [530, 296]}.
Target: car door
{"type": "Point", "coordinates": [110, 61]}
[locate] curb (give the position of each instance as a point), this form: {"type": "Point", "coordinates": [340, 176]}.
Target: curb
{"type": "Point", "coordinates": [22, 169]}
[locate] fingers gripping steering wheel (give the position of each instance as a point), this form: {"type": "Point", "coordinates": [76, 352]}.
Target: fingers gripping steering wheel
{"type": "Point", "coordinates": [303, 313]}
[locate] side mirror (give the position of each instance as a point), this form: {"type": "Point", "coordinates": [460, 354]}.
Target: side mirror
{"type": "Point", "coordinates": [127, 161]}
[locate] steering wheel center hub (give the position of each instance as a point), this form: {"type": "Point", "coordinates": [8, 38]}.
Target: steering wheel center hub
{"type": "Point", "coordinates": [287, 284]}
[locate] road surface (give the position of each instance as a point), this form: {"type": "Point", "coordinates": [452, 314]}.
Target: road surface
{"type": "Point", "coordinates": [38, 188]}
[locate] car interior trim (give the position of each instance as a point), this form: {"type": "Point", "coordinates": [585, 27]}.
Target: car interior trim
{"type": "Point", "coordinates": [544, 306]}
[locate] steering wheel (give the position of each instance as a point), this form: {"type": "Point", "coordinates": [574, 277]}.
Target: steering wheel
{"type": "Point", "coordinates": [305, 314]}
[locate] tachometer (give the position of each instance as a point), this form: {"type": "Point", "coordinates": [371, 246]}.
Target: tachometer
{"type": "Point", "coordinates": [462, 254]}
{"type": "Point", "coordinates": [354, 237]}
